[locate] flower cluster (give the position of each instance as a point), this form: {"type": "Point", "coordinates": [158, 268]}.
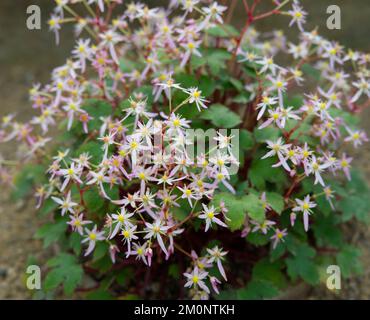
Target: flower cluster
{"type": "Point", "coordinates": [164, 175]}
{"type": "Point", "coordinates": [134, 61]}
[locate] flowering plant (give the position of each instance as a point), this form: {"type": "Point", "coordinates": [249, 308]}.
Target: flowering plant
{"type": "Point", "coordinates": [141, 203]}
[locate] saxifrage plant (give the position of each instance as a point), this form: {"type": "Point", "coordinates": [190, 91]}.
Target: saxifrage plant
{"type": "Point", "coordinates": [129, 204]}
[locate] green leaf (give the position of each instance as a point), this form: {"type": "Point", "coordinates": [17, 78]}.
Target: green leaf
{"type": "Point", "coordinates": [48, 206]}
{"type": "Point", "coordinates": [349, 118]}
{"type": "Point", "coordinates": [186, 80]}
{"type": "Point", "coordinates": [75, 242]}
{"type": "Point", "coordinates": [100, 250]}
{"type": "Point", "coordinates": [147, 90]}
{"type": "Point", "coordinates": [221, 116]}
{"type": "Point", "coordinates": [276, 201]}
{"type": "Point", "coordinates": [236, 207]}
{"type": "Point", "coordinates": [237, 84]}
{"type": "Point", "coordinates": [301, 264]}
{"type": "Point", "coordinates": [124, 275]}
{"type": "Point", "coordinates": [223, 31]}
{"type": "Point", "coordinates": [356, 192]}
{"type": "Point", "coordinates": [127, 65]}
{"type": "Point", "coordinates": [295, 101]}
{"type": "Point", "coordinates": [278, 252]}
{"type": "Point", "coordinates": [96, 109]}
{"type": "Point", "coordinates": [269, 271]}
{"type": "Point", "coordinates": [242, 98]}
{"type": "Point", "coordinates": [268, 133]}
{"type": "Point", "coordinates": [94, 202]}
{"type": "Point", "coordinates": [261, 171]}
{"type": "Point", "coordinates": [65, 271]}
{"type": "Point", "coordinates": [216, 59]}
{"type": "Point", "coordinates": [257, 238]}
{"type": "Point", "coordinates": [99, 294]}
{"type": "Point", "coordinates": [311, 71]}
{"type": "Point", "coordinates": [254, 206]}
{"type": "Point", "coordinates": [26, 180]}
{"type": "Point", "coordinates": [53, 279]}
{"type": "Point", "coordinates": [258, 289]}
{"type": "Point", "coordinates": [52, 232]}
{"type": "Point", "coordinates": [327, 232]}
{"type": "Point", "coordinates": [94, 149]}
{"type": "Point", "coordinates": [246, 139]}
{"type": "Point", "coordinates": [349, 261]}
{"type": "Point", "coordinates": [207, 85]}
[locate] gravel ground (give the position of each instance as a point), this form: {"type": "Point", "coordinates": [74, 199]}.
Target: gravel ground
{"type": "Point", "coordinates": [24, 58]}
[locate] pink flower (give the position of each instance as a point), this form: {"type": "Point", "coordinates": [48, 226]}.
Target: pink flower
{"type": "Point", "coordinates": [344, 164]}
{"type": "Point", "coordinates": [66, 204]}
{"type": "Point", "coordinates": [92, 236]}
{"type": "Point", "coordinates": [305, 207]}
{"type": "Point", "coordinates": [217, 255]}
{"type": "Point", "coordinates": [196, 279]}
{"type": "Point", "coordinates": [264, 226]}
{"type": "Point", "coordinates": [278, 236]}
{"type": "Point", "coordinates": [209, 215]}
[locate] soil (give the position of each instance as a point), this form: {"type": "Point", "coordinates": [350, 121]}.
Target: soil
{"type": "Point", "coordinates": [29, 56]}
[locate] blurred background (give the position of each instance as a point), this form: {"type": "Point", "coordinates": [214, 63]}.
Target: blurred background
{"type": "Point", "coordinates": [27, 57]}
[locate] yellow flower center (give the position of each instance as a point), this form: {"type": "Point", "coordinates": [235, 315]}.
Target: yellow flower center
{"type": "Point", "coordinates": [196, 94]}
{"type": "Point", "coordinates": [191, 45]}
{"type": "Point", "coordinates": [276, 147]}
{"type": "Point", "coordinates": [52, 22]}
{"type": "Point", "coordinates": [77, 223]}
{"type": "Point", "coordinates": [298, 73]}
{"type": "Point", "coordinates": [322, 106]}
{"type": "Point", "coordinates": [220, 162]}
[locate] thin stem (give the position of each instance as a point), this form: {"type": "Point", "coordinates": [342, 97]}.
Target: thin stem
{"type": "Point", "coordinates": [181, 104]}
{"type": "Point", "coordinates": [183, 251]}
{"type": "Point", "coordinates": [88, 8]}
